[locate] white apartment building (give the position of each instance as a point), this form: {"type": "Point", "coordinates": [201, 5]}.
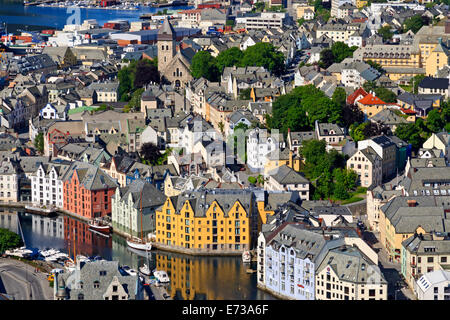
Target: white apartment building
{"type": "Point", "coordinates": [47, 185]}
{"type": "Point", "coordinates": [289, 271]}
{"type": "Point", "coordinates": [346, 273]}
{"type": "Point", "coordinates": [9, 181]}
{"type": "Point", "coordinates": [265, 20]}
{"type": "Point", "coordinates": [259, 144]}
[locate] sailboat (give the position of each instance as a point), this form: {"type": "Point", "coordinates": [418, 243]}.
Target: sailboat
{"type": "Point", "coordinates": [139, 243]}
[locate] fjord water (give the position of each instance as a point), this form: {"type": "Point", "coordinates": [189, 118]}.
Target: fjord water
{"type": "Point", "coordinates": [18, 16]}
{"type": "Point", "coordinates": [212, 278]}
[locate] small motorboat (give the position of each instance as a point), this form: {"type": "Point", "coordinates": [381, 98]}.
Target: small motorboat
{"type": "Point", "coordinates": [246, 257]}
{"type": "Point", "coordinates": [21, 252]}
{"type": "Point", "coordinates": [130, 271]}
{"type": "Point", "coordinates": [161, 276]}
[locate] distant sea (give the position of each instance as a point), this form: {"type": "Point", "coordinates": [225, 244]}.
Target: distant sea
{"type": "Point", "coordinates": [20, 17]}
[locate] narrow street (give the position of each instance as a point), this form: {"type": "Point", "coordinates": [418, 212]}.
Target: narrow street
{"type": "Point", "coordinates": [397, 288]}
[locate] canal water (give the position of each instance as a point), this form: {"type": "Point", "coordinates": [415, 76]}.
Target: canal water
{"type": "Point", "coordinates": [192, 278]}
{"type": "Point", "coordinates": [16, 15]}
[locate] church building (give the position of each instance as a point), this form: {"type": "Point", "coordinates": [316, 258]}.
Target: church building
{"type": "Point", "coordinates": [173, 63]}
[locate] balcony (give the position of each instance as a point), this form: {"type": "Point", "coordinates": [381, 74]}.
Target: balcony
{"type": "Point", "coordinates": [413, 265]}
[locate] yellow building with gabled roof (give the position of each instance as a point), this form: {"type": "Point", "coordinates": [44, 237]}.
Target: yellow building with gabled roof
{"type": "Point", "coordinates": [210, 221]}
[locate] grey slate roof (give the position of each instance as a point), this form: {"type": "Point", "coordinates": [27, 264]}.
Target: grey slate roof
{"type": "Point", "coordinates": [285, 175]}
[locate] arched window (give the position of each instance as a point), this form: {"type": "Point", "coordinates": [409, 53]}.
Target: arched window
{"type": "Point", "coordinates": [80, 296]}
{"type": "Point", "coordinates": [96, 284]}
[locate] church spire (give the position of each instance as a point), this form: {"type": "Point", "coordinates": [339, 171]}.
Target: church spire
{"type": "Point", "coordinates": [166, 32]}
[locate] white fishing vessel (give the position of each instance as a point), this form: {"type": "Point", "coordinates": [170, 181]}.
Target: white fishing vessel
{"type": "Point", "coordinates": [161, 276]}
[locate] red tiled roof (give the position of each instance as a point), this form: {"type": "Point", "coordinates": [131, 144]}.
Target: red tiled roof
{"type": "Point", "coordinates": [407, 111]}
{"type": "Point", "coordinates": [351, 98]}
{"type": "Point", "coordinates": [369, 99]}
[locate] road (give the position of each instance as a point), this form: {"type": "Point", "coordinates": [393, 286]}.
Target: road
{"type": "Point", "coordinates": [397, 287]}
{"type": "Point", "coordinates": [20, 281]}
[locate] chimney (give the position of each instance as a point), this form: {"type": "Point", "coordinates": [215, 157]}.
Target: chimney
{"type": "Point", "coordinates": [412, 203]}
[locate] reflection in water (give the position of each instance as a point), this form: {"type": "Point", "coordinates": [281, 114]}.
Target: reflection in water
{"type": "Point", "coordinates": [221, 278]}
{"type": "Point", "coordinates": [8, 219]}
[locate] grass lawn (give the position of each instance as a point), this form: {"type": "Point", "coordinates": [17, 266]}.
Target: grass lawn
{"type": "Point", "coordinates": [355, 196]}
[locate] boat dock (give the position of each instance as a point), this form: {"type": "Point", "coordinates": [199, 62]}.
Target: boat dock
{"type": "Point", "coordinates": [159, 292]}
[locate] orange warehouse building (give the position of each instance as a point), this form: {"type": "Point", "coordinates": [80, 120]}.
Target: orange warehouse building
{"type": "Point", "coordinates": [88, 191]}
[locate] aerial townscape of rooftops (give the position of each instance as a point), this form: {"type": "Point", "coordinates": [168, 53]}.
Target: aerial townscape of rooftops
{"type": "Point", "coordinates": [300, 149]}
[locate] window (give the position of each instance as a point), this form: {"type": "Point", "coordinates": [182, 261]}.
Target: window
{"type": "Point", "coordinates": [96, 284]}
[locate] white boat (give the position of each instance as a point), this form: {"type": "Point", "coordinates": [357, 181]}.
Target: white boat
{"type": "Point", "coordinates": [139, 244]}
{"type": "Point", "coordinates": [145, 270]}
{"type": "Point", "coordinates": [161, 276]}
{"type": "Point", "coordinates": [130, 271]}
{"type": "Point", "coordinates": [246, 257]}
{"type": "Point", "coordinates": [19, 252]}
{"type": "Point", "coordinates": [69, 265]}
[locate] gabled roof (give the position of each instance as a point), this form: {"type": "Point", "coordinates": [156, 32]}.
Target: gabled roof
{"type": "Point", "coordinates": [370, 99]}
{"type": "Point", "coordinates": [351, 98]}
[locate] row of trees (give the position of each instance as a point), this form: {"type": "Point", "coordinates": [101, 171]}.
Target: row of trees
{"type": "Point", "coordinates": [327, 172]}
{"type": "Point", "coordinates": [261, 54]}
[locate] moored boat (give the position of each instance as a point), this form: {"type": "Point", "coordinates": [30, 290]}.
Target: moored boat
{"type": "Point", "coordinates": [161, 276]}
{"type": "Point", "coordinates": [246, 257]}
{"type": "Point", "coordinates": [100, 226]}
{"type": "Point", "coordinates": [139, 244]}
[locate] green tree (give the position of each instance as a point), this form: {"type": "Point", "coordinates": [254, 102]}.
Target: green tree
{"type": "Point", "coordinates": [386, 33]}
{"type": "Point", "coordinates": [145, 73]}
{"type": "Point", "coordinates": [125, 84]}
{"type": "Point", "coordinates": [357, 131]}
{"type": "Point", "coordinates": [386, 95]}
{"type": "Point", "coordinates": [203, 65]}
{"type": "Point", "coordinates": [9, 240]}
{"type": "Point", "coordinates": [410, 133]}
{"type": "Point", "coordinates": [339, 96]}
{"type": "Point", "coordinates": [265, 55]}
{"type": "Point", "coordinates": [39, 142]}
{"type": "Point", "coordinates": [326, 58]}
{"type": "Point", "coordinates": [434, 121]}
{"type": "Point", "coordinates": [135, 102]}
{"type": "Point", "coordinates": [415, 23]}
{"type": "Point", "coordinates": [252, 180]}
{"type": "Point", "coordinates": [245, 94]}
{"type": "Point", "coordinates": [300, 21]}
{"type": "Point", "coordinates": [416, 81]}
{"type": "Point", "coordinates": [228, 58]}
{"type": "Point", "coordinates": [341, 51]}
{"type": "Point", "coordinates": [150, 153]}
